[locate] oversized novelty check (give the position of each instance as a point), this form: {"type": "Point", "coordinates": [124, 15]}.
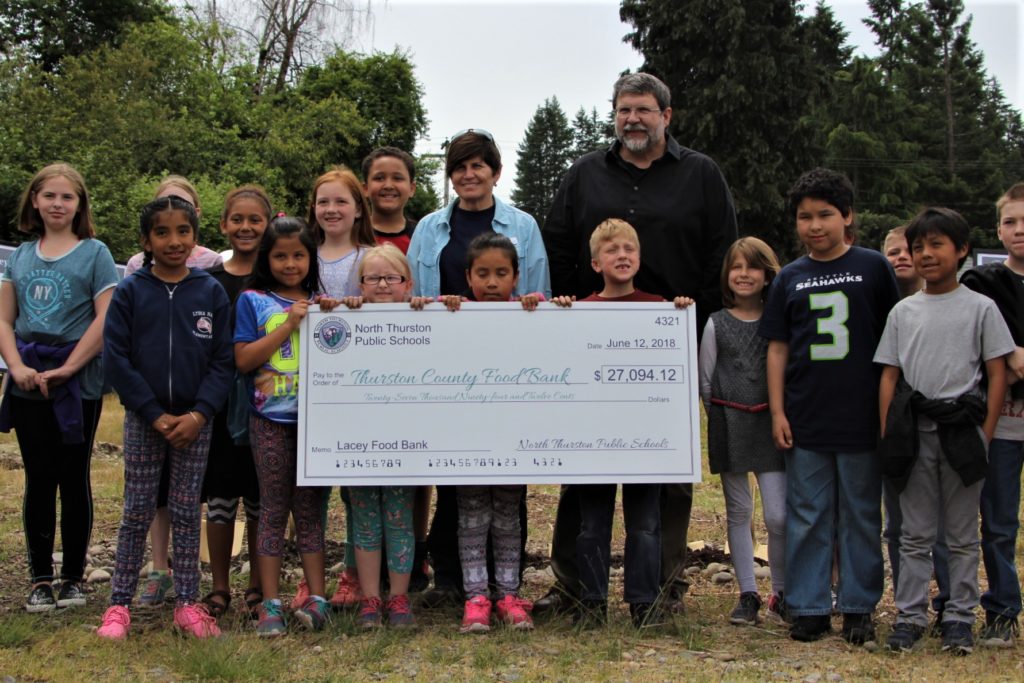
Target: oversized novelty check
{"type": "Point", "coordinates": [495, 394]}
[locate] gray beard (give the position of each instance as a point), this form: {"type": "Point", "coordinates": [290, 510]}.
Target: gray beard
{"type": "Point", "coordinates": [635, 146]}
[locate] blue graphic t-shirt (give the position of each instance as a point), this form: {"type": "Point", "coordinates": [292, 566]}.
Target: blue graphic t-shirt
{"type": "Point", "coordinates": [273, 388]}
{"type": "Point", "coordinates": [55, 300]}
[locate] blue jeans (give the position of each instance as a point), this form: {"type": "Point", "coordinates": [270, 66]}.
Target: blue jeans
{"type": "Point", "coordinates": [1000, 502]}
{"type": "Point", "coordinates": [833, 498]}
{"type": "Point", "coordinates": [940, 551]}
{"type": "Point", "coordinates": [641, 510]}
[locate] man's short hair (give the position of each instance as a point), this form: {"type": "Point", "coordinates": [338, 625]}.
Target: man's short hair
{"type": "Point", "coordinates": [936, 220]}
{"type": "Point", "coordinates": [824, 184]}
{"type": "Point", "coordinates": [1014, 194]}
{"type": "Point", "coordinates": [642, 84]}
{"type": "Point", "coordinates": [609, 229]}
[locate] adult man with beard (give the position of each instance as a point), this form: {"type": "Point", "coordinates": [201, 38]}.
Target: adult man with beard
{"type": "Point", "coordinates": [681, 207]}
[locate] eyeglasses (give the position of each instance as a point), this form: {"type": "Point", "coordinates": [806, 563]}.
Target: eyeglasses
{"type": "Point", "coordinates": [641, 112]}
{"type": "Point", "coordinates": [375, 279]}
{"type": "Point", "coordinates": [478, 131]}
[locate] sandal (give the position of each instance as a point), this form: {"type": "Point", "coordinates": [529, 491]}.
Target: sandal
{"type": "Point", "coordinates": [253, 599]}
{"type": "Point", "coordinates": [215, 607]}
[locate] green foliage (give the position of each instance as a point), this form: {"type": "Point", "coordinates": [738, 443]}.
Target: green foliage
{"type": "Point", "coordinates": [165, 100]}
{"type": "Point", "coordinates": [544, 156]}
{"type": "Point", "coordinates": [47, 31]}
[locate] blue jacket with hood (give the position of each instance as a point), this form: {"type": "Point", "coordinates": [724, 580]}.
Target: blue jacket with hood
{"type": "Point", "coordinates": [167, 346]}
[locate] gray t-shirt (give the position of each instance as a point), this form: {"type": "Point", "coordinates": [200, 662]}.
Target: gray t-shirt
{"type": "Point", "coordinates": [55, 299]}
{"type": "Point", "coordinates": [941, 341]}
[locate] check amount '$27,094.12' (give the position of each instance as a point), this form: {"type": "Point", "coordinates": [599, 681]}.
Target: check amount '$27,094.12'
{"type": "Point", "coordinates": [495, 394]}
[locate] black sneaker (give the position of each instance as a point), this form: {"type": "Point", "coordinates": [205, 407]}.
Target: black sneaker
{"type": "Point", "coordinates": [41, 599]}
{"type": "Point", "coordinates": [810, 628]}
{"type": "Point", "coordinates": [71, 594]}
{"type": "Point", "coordinates": [591, 614]}
{"type": "Point", "coordinates": [441, 596]}
{"type": "Point", "coordinates": [858, 628]}
{"type": "Point", "coordinates": [646, 615]}
{"type": "Point", "coordinates": [904, 637]}
{"type": "Point", "coordinates": [555, 602]}
{"type": "Point", "coordinates": [998, 632]}
{"type": "Point", "coordinates": [746, 611]}
{"type": "Point", "coordinates": [957, 638]}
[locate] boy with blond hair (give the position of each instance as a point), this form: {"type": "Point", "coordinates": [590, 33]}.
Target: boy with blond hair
{"type": "Point", "coordinates": [1000, 497]}
{"type": "Point", "coordinates": [615, 254]}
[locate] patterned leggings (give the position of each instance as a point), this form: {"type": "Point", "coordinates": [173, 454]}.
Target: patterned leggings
{"type": "Point", "coordinates": [274, 451]}
{"type": "Point", "coordinates": [384, 511]}
{"type": "Point", "coordinates": [493, 509]}
{"type": "Point", "coordinates": [145, 450]}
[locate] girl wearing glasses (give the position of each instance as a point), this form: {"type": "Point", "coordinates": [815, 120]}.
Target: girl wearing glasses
{"type": "Point", "coordinates": [382, 515]}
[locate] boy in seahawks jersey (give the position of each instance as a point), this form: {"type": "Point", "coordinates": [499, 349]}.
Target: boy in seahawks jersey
{"type": "Point", "coordinates": [823, 319]}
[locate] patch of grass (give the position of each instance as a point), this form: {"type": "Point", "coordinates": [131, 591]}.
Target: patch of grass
{"type": "Point", "coordinates": [489, 654]}
{"type": "Point", "coordinates": [444, 655]}
{"type": "Point", "coordinates": [18, 630]}
{"type": "Point", "coordinates": [225, 659]}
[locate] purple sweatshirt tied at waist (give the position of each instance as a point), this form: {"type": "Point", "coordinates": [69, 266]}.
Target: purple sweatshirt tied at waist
{"type": "Point", "coordinates": [66, 398]}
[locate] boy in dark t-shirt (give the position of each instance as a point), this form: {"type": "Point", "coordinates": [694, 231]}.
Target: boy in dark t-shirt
{"type": "Point", "coordinates": [1000, 497]}
{"type": "Point", "coordinates": [823, 319]}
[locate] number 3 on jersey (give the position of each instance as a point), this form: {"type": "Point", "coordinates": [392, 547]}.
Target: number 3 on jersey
{"type": "Point", "coordinates": [833, 325]}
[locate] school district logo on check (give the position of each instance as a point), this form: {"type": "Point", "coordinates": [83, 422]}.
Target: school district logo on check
{"type": "Point", "coordinates": [332, 335]}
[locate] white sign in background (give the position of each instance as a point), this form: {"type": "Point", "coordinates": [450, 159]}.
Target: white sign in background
{"type": "Point", "coordinates": [495, 394]}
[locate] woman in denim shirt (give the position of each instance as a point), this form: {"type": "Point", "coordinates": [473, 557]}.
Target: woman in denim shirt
{"type": "Point", "coordinates": [437, 257]}
{"type": "Point", "coordinates": [437, 253]}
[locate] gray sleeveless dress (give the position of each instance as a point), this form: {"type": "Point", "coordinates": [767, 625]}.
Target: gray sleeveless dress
{"type": "Point", "coordinates": [738, 440]}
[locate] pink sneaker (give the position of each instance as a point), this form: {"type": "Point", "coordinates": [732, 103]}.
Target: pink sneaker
{"type": "Point", "coordinates": [116, 621]}
{"type": "Point", "coordinates": [194, 620]}
{"type": "Point", "coordinates": [515, 612]}
{"type": "Point", "coordinates": [477, 617]}
{"type": "Point", "coordinates": [348, 594]}
{"type": "Point", "coordinates": [301, 595]}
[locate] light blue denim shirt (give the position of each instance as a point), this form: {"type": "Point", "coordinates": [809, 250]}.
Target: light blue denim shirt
{"type": "Point", "coordinates": [432, 234]}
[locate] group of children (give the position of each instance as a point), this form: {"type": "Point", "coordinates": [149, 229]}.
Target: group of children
{"type": "Point", "coordinates": [801, 372]}
{"type": "Point", "coordinates": [864, 372]}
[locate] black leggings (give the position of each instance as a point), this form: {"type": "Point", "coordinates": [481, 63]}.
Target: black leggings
{"type": "Point", "coordinates": [51, 465]}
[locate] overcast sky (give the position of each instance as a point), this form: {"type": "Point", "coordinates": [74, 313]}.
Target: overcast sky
{"type": "Point", "coordinates": [490, 63]}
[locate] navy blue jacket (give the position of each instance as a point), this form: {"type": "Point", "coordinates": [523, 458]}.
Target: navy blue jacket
{"type": "Point", "coordinates": [167, 347]}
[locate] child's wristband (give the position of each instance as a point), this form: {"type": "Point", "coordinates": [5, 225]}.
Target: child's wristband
{"type": "Point", "coordinates": [192, 413]}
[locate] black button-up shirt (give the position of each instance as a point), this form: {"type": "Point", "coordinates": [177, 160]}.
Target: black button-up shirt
{"type": "Point", "coordinates": [680, 206]}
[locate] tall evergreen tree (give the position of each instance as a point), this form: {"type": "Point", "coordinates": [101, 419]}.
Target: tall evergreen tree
{"type": "Point", "coordinates": [969, 147]}
{"type": "Point", "coordinates": [589, 132]}
{"type": "Point", "coordinates": [544, 156]}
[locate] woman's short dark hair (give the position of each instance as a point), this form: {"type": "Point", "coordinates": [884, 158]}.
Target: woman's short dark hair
{"type": "Point", "coordinates": [469, 145]}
